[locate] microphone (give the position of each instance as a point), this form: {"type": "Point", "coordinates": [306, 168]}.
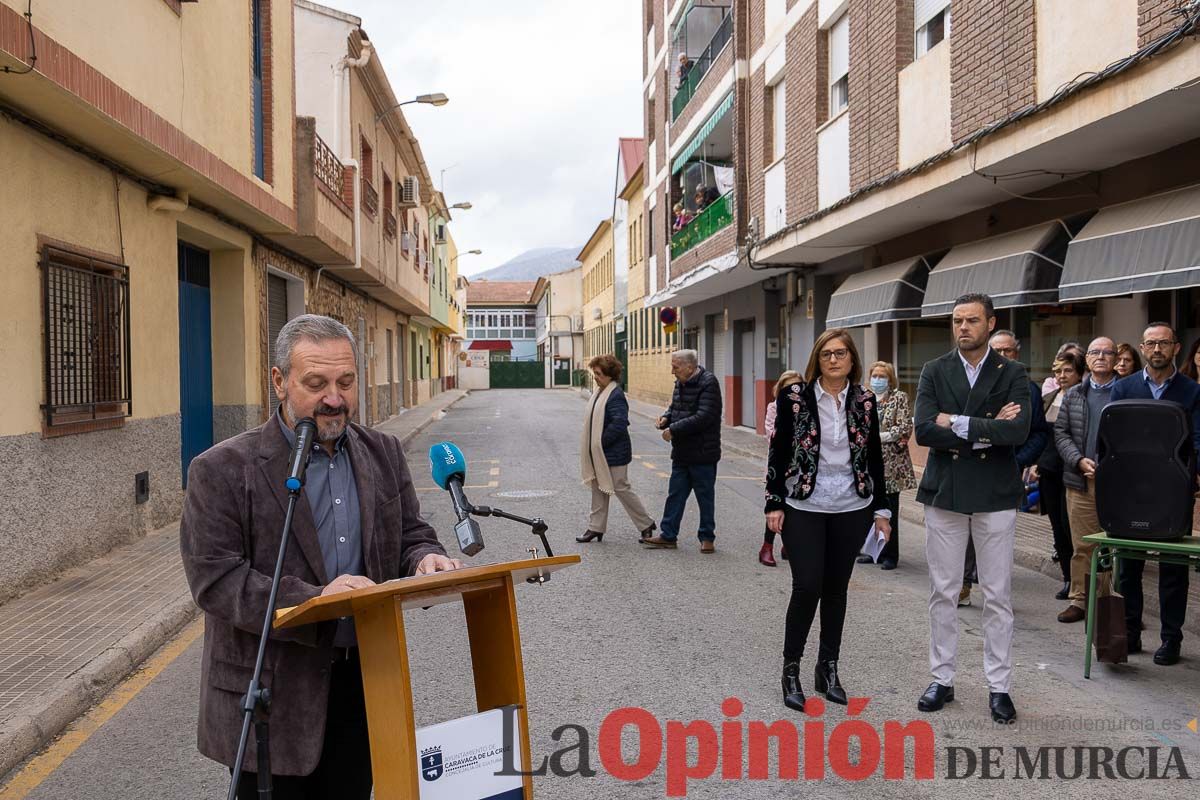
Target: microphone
{"type": "Point", "coordinates": [449, 468]}
{"type": "Point", "coordinates": [306, 432]}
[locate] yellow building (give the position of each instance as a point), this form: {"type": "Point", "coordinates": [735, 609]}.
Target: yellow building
{"type": "Point", "coordinates": [597, 260]}
{"type": "Point", "coordinates": [649, 347]}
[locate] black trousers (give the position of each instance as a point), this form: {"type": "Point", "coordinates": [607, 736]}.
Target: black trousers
{"type": "Point", "coordinates": [891, 550]}
{"type": "Point", "coordinates": [1053, 497]}
{"type": "Point", "coordinates": [344, 770]}
{"type": "Point", "coordinates": [1172, 597]}
{"type": "Point", "coordinates": [821, 551]}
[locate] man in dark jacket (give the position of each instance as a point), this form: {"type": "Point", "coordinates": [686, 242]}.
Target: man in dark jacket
{"type": "Point", "coordinates": [973, 412]}
{"type": "Point", "coordinates": [1159, 381]}
{"type": "Point", "coordinates": [1076, 435]}
{"type": "Point", "coordinates": [1008, 345]}
{"type": "Point", "coordinates": [693, 427]}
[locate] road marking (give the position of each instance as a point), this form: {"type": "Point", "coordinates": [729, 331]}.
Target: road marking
{"type": "Point", "coordinates": [494, 471]}
{"type": "Point", "coordinates": [648, 465]}
{"type": "Point", "coordinates": [42, 766]}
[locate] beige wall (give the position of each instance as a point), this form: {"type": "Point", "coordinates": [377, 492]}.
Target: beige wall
{"type": "Point", "coordinates": [192, 69]}
{"type": "Point", "coordinates": [594, 258]}
{"type": "Point", "coordinates": [50, 191]}
{"type": "Point", "coordinates": [925, 106]}
{"type": "Point", "coordinates": [566, 296]}
{"type": "Point", "coordinates": [1072, 41]}
{"type": "Point", "coordinates": [637, 251]}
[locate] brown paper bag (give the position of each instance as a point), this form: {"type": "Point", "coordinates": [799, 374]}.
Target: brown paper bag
{"type": "Point", "coordinates": [1112, 646]}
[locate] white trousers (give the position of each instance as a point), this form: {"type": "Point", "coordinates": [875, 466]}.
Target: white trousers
{"type": "Point", "coordinates": [946, 535]}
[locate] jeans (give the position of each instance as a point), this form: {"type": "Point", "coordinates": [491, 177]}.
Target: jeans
{"type": "Point", "coordinates": [685, 479]}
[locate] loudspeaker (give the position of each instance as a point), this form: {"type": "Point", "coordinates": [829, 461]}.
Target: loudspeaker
{"type": "Point", "coordinates": [1146, 475]}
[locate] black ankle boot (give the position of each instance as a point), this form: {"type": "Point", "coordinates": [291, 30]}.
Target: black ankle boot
{"type": "Point", "coordinates": [793, 693]}
{"type": "Point", "coordinates": [826, 680]}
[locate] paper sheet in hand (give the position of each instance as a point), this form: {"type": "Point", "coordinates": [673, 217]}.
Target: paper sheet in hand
{"type": "Point", "coordinates": [873, 546]}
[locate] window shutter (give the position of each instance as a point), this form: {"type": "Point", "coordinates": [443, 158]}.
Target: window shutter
{"type": "Point", "coordinates": [839, 49]}
{"type": "Point", "coordinates": [925, 10]}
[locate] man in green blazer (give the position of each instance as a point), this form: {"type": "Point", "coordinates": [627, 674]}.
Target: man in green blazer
{"type": "Point", "coordinates": [973, 411]}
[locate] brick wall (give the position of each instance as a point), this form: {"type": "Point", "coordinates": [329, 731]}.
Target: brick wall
{"type": "Point", "coordinates": [716, 245]}
{"type": "Point", "coordinates": [993, 62]}
{"type": "Point", "coordinates": [881, 43]}
{"type": "Point", "coordinates": [268, 93]}
{"type": "Point", "coordinates": [807, 106]}
{"type": "Point", "coordinates": [719, 70]}
{"type": "Point", "coordinates": [1156, 17]}
{"type": "Point", "coordinates": [758, 24]}
{"type": "Point", "coordinates": [662, 234]}
{"type": "Point", "coordinates": [758, 140]}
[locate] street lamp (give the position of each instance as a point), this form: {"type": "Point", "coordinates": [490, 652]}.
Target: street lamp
{"type": "Point", "coordinates": [435, 99]}
{"type": "Point", "coordinates": [466, 253]}
{"type": "Point", "coordinates": [462, 206]}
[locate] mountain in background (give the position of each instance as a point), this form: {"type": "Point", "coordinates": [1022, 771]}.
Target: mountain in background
{"type": "Point", "coordinates": [531, 265]}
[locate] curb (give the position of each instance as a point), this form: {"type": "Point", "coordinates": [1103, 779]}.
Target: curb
{"type": "Point", "coordinates": [25, 735]}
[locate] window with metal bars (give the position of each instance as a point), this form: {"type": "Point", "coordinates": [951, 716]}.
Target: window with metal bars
{"type": "Point", "coordinates": [85, 305]}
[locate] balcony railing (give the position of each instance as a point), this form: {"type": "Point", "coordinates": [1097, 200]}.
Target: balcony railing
{"type": "Point", "coordinates": [701, 66]}
{"type": "Point", "coordinates": [327, 166]}
{"type": "Point", "coordinates": [389, 223]}
{"type": "Point", "coordinates": [370, 198]}
{"type": "Point", "coordinates": [716, 216]}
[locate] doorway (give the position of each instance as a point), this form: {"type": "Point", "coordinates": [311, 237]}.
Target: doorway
{"type": "Point", "coordinates": [195, 355]}
{"type": "Point", "coordinates": [745, 370]}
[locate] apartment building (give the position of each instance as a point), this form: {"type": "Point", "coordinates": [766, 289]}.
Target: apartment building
{"type": "Point", "coordinates": [599, 319]}
{"type": "Point", "coordinates": [502, 320]}
{"type": "Point", "coordinates": [862, 163]}
{"type": "Point", "coordinates": [559, 316]}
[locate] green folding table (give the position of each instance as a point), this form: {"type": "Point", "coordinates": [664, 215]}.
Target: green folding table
{"type": "Point", "coordinates": [1110, 550]}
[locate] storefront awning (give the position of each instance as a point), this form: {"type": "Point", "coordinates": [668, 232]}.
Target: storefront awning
{"type": "Point", "coordinates": [1141, 246]}
{"type": "Point", "coordinates": [1021, 268]}
{"type": "Point", "coordinates": [491, 344]}
{"type": "Point", "coordinates": [708, 127]}
{"type": "Point", "coordinates": [884, 294]}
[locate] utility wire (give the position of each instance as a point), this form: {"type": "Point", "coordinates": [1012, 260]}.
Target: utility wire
{"type": "Point", "coordinates": [32, 46]}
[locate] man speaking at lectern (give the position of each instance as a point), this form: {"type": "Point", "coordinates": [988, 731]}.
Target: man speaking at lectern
{"type": "Point", "coordinates": [358, 524]}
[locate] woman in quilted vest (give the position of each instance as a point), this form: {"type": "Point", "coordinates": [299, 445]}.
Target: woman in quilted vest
{"type": "Point", "coordinates": [825, 488]}
{"type": "Point", "coordinates": [895, 428]}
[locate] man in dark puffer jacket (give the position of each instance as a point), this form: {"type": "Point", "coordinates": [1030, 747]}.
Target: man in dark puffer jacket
{"type": "Point", "coordinates": [693, 427]}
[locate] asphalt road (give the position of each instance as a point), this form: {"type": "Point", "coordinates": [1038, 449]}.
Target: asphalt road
{"type": "Point", "coordinates": [678, 632]}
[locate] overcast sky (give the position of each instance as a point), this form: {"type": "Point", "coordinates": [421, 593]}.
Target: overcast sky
{"type": "Point", "coordinates": [540, 91]}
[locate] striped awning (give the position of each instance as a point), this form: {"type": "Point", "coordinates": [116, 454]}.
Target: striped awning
{"type": "Point", "coordinates": [708, 127]}
{"type": "Point", "coordinates": [1142, 246]}
{"type": "Point", "coordinates": [1020, 268]}
{"type": "Point", "coordinates": [884, 294]}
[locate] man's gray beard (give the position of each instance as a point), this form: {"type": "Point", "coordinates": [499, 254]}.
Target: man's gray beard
{"type": "Point", "coordinates": [326, 431]}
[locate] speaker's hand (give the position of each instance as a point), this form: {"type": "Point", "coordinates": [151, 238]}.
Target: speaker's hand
{"type": "Point", "coordinates": [1087, 467]}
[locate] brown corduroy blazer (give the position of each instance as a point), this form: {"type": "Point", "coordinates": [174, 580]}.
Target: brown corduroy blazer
{"type": "Point", "coordinates": [229, 537]}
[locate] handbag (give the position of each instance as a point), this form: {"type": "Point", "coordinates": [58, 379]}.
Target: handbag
{"type": "Point", "coordinates": [1111, 639]}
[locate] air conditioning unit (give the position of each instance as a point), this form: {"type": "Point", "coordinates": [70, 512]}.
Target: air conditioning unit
{"type": "Point", "coordinates": [410, 192]}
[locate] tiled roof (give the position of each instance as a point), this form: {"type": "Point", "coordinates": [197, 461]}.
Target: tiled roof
{"type": "Point", "coordinates": [633, 154]}
{"type": "Point", "coordinates": [483, 291]}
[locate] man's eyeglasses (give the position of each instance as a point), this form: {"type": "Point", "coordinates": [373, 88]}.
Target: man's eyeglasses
{"type": "Point", "coordinates": [831, 355]}
{"type": "Point", "coordinates": [1105, 353]}
{"type": "Point", "coordinates": [1159, 344]}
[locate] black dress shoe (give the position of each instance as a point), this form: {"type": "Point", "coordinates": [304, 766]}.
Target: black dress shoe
{"type": "Point", "coordinates": [887, 564]}
{"type": "Point", "coordinates": [825, 678]}
{"type": "Point", "coordinates": [864, 559]}
{"type": "Point", "coordinates": [935, 697]}
{"type": "Point", "coordinates": [646, 534]}
{"type": "Point", "coordinates": [1064, 592]}
{"type": "Point", "coordinates": [793, 693]}
{"type": "Point", "coordinates": [1002, 708]}
{"type": "Point", "coordinates": [1167, 655]}
{"type": "Point", "coordinates": [1133, 642]}
{"type": "Point", "coordinates": [589, 535]}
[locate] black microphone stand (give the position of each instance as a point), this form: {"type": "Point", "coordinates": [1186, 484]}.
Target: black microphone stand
{"type": "Point", "coordinates": [257, 700]}
{"type": "Point", "coordinates": [537, 524]}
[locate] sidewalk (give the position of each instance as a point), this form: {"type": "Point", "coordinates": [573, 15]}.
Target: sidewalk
{"type": "Point", "coordinates": [65, 645]}
{"type": "Point", "coordinates": [1031, 548]}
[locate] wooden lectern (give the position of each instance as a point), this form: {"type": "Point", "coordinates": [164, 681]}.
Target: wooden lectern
{"type": "Point", "coordinates": [488, 597]}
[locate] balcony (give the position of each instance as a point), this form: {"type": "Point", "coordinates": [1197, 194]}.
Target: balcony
{"type": "Point", "coordinates": [702, 63]}
{"type": "Point", "coordinates": [716, 216]}
{"type": "Point", "coordinates": [370, 198]}
{"type": "Point", "coordinates": [324, 216]}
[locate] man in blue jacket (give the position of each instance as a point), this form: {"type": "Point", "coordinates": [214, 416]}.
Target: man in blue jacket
{"type": "Point", "coordinates": [1159, 381]}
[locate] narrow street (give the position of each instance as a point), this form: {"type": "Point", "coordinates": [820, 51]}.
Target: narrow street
{"type": "Point", "coordinates": [675, 633]}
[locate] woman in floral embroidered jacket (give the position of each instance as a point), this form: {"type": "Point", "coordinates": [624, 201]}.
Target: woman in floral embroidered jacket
{"type": "Point", "coordinates": [825, 485]}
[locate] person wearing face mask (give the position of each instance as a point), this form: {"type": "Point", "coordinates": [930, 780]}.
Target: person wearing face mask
{"type": "Point", "coordinates": [895, 428]}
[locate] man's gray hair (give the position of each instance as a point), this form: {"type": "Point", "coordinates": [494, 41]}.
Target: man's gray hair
{"type": "Point", "coordinates": [686, 356]}
{"type": "Point", "coordinates": [1008, 333]}
{"type": "Point", "coordinates": [313, 328]}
